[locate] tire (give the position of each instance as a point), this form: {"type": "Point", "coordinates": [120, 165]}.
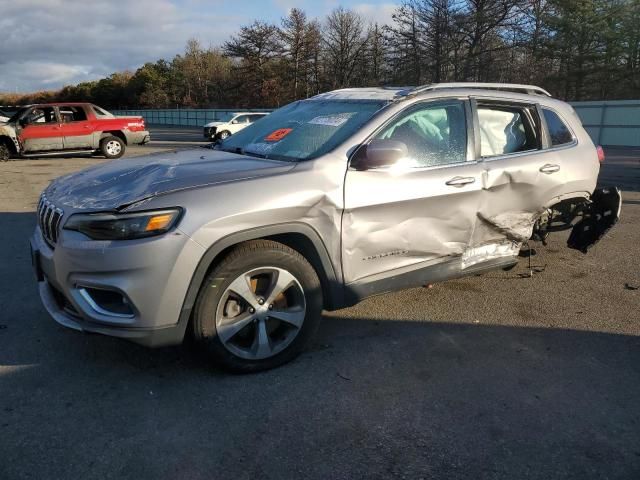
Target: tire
{"type": "Point", "coordinates": [223, 135]}
{"type": "Point", "coordinates": [245, 336]}
{"type": "Point", "coordinates": [5, 153]}
{"type": "Point", "coordinates": [112, 147]}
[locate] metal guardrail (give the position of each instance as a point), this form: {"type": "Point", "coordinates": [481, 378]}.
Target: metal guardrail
{"type": "Point", "coordinates": [195, 117]}
{"type": "Point", "coordinates": [611, 123]}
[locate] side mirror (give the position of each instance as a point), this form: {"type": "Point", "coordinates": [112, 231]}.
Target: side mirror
{"type": "Point", "coordinates": [234, 122]}
{"type": "Point", "coordinates": [380, 153]}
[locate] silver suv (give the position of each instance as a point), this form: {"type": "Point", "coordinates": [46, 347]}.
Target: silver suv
{"type": "Point", "coordinates": [327, 201]}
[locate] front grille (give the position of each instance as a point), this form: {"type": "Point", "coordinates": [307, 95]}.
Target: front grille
{"type": "Point", "coordinates": [49, 220]}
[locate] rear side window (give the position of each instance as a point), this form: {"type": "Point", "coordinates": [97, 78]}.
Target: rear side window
{"type": "Point", "coordinates": [558, 131]}
{"type": "Point", "coordinates": [505, 130]}
{"type": "Point", "coordinates": [100, 112]}
{"type": "Point", "coordinates": [72, 114]}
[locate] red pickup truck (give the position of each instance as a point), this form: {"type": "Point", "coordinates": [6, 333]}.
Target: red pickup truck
{"type": "Point", "coordinates": [66, 128]}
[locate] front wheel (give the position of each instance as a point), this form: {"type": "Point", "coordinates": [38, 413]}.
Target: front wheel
{"type": "Point", "coordinates": [258, 308]}
{"type": "Point", "coordinates": [112, 147]}
{"type": "Point", "coordinates": [223, 135]}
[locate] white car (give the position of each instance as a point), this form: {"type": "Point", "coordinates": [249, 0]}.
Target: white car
{"type": "Point", "coordinates": [238, 121]}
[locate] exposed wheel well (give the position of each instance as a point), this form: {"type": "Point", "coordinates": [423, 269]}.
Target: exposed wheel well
{"type": "Point", "coordinates": [560, 216]}
{"type": "Point", "coordinates": [115, 133]}
{"type": "Point", "coordinates": [4, 140]}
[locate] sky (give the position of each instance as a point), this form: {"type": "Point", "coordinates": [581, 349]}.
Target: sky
{"type": "Point", "coordinates": [46, 44]}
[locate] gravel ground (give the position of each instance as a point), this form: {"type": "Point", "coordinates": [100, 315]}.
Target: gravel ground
{"type": "Point", "coordinates": [498, 376]}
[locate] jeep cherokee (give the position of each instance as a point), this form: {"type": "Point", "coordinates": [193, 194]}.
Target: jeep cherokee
{"type": "Point", "coordinates": [329, 200]}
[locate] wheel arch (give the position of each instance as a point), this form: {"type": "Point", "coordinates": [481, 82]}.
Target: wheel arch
{"type": "Point", "coordinates": [10, 143]}
{"type": "Point", "coordinates": [113, 133]}
{"type": "Point", "coordinates": [298, 236]}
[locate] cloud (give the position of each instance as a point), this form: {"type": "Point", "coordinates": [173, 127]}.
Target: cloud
{"type": "Point", "coordinates": [47, 44]}
{"type": "Point", "coordinates": [50, 43]}
{"type": "Point", "coordinates": [376, 13]}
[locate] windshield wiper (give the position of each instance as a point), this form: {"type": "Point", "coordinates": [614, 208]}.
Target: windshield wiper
{"type": "Point", "coordinates": [240, 151]}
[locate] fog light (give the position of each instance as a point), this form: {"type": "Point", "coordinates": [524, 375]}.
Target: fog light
{"type": "Point", "coordinates": [107, 302]}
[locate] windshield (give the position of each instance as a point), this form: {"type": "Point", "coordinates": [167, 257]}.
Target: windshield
{"type": "Point", "coordinates": [224, 117]}
{"type": "Point", "coordinates": [18, 114]}
{"type": "Point", "coordinates": [302, 130]}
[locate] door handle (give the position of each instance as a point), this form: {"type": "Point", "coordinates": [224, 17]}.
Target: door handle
{"type": "Point", "coordinates": [460, 181]}
{"type": "Point", "coordinates": [86, 127]}
{"type": "Point", "coordinates": [550, 168]}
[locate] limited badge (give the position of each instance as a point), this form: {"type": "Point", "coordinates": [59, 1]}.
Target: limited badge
{"type": "Point", "coordinates": [278, 135]}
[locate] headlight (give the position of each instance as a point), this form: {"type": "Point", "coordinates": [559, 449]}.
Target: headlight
{"type": "Point", "coordinates": [124, 226]}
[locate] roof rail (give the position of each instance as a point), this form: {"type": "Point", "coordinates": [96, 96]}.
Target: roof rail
{"type": "Point", "coordinates": [511, 87]}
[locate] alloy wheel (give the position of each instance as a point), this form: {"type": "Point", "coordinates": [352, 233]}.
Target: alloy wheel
{"type": "Point", "coordinates": [260, 313]}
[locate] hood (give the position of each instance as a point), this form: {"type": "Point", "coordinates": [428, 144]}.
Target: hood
{"type": "Point", "coordinates": [122, 182]}
{"type": "Point", "coordinates": [214, 124]}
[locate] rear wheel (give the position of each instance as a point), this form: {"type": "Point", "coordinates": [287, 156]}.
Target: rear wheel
{"type": "Point", "coordinates": [5, 153]}
{"type": "Point", "coordinates": [112, 147]}
{"type": "Point", "coordinates": [258, 308]}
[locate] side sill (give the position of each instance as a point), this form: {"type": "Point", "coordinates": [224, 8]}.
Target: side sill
{"type": "Point", "coordinates": [448, 270]}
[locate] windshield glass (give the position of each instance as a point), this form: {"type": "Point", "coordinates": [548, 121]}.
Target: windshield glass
{"type": "Point", "coordinates": [18, 114]}
{"type": "Point", "coordinates": [224, 116]}
{"type": "Point", "coordinates": [302, 130]}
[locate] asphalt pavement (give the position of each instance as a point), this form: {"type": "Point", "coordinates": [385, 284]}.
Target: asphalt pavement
{"type": "Point", "coordinates": [500, 376]}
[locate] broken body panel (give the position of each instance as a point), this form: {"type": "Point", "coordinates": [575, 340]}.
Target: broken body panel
{"type": "Point", "coordinates": [403, 220]}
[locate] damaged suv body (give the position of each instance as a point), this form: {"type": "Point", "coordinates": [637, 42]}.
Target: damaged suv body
{"type": "Point", "coordinates": [330, 200]}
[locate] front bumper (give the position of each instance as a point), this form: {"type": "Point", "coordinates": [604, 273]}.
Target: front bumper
{"type": "Point", "coordinates": [153, 275]}
{"type": "Point", "coordinates": [209, 132]}
{"type": "Point", "coordinates": [137, 138]}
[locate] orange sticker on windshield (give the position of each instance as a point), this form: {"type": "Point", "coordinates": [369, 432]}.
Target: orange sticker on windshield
{"type": "Point", "coordinates": [278, 135]}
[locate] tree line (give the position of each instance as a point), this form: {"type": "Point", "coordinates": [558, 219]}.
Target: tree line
{"type": "Point", "coordinates": [577, 49]}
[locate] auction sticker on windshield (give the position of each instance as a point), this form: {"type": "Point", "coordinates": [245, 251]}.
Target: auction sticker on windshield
{"type": "Point", "coordinates": [278, 135]}
{"type": "Point", "coordinates": [332, 120]}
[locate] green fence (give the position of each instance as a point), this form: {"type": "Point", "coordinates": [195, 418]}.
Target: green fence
{"type": "Point", "coordinates": [185, 117]}
{"type": "Point", "coordinates": [611, 123]}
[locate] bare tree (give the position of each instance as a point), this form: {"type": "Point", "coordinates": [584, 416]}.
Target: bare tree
{"type": "Point", "coordinates": [256, 47]}
{"type": "Point", "coordinates": [343, 43]}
